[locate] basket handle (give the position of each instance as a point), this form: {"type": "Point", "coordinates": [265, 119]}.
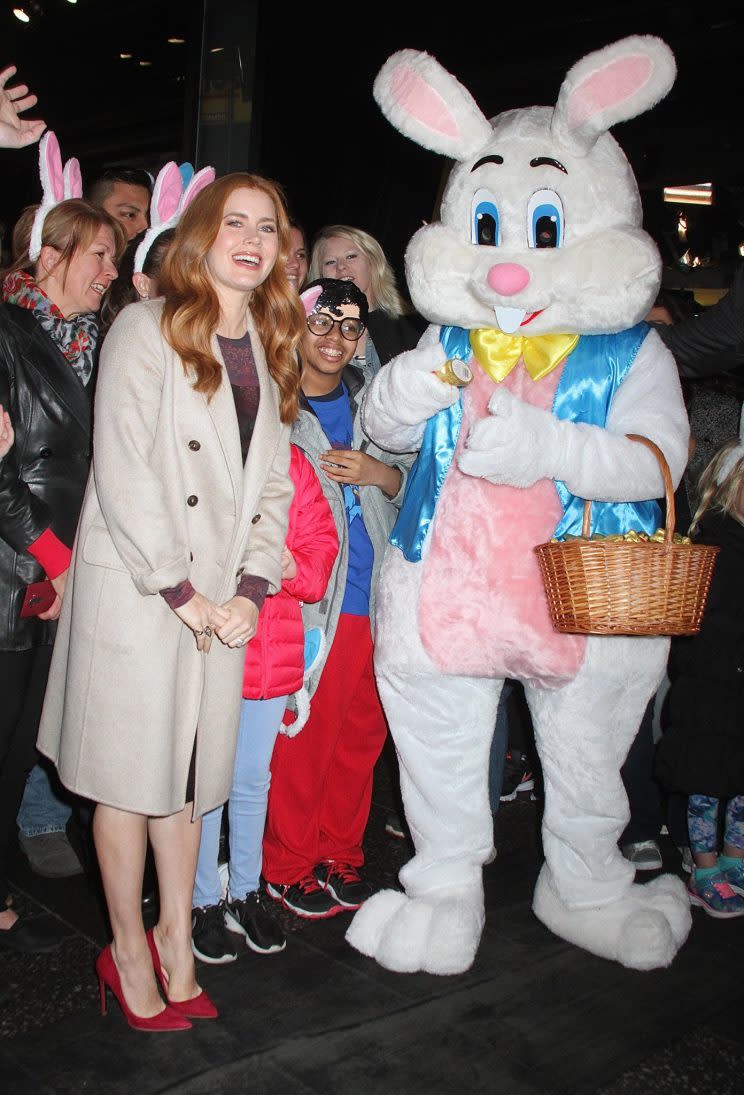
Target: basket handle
{"type": "Point", "coordinates": [668, 493]}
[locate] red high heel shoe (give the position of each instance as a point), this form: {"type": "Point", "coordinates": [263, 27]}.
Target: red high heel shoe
{"type": "Point", "coordinates": [198, 1007]}
{"type": "Point", "coordinates": [108, 978]}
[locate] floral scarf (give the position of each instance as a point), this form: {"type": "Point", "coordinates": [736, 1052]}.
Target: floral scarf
{"type": "Point", "coordinates": [76, 337]}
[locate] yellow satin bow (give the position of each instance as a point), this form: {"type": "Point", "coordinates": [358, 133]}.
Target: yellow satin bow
{"type": "Point", "coordinates": [498, 353]}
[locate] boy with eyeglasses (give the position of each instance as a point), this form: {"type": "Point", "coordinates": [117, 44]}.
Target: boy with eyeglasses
{"type": "Point", "coordinates": [321, 785]}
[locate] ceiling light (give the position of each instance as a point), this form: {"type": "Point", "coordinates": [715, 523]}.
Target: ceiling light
{"type": "Point", "coordinates": [696, 194]}
{"type": "Point", "coordinates": [177, 41]}
{"type": "Point", "coordinates": [217, 49]}
{"type": "Point", "coordinates": [126, 56]}
{"type": "Point", "coordinates": [72, 1]}
{"type": "Point", "coordinates": [144, 64]}
{"type": "Point", "coordinates": [21, 15]}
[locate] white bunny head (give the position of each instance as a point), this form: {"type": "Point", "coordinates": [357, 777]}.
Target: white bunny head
{"type": "Point", "coordinates": [58, 184]}
{"type": "Point", "coordinates": [541, 218]}
{"type": "Point", "coordinates": [169, 200]}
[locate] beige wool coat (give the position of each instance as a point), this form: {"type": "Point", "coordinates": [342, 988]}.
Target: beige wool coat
{"type": "Point", "coordinates": [129, 695]}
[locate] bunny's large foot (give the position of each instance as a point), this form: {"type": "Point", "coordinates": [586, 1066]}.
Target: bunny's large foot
{"type": "Point", "coordinates": [643, 930]}
{"type": "Point", "coordinates": [438, 933]}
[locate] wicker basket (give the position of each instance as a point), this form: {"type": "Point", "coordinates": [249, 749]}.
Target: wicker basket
{"type": "Point", "coordinates": [595, 587]}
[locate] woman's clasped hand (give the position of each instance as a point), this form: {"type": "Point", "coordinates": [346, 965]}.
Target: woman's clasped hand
{"type": "Point", "coordinates": [234, 623]}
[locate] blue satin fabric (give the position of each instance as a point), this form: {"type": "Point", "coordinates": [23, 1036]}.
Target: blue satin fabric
{"type": "Point", "coordinates": [588, 383]}
{"type": "Point", "coordinates": [430, 469]}
{"type": "Point", "coordinates": [590, 378]}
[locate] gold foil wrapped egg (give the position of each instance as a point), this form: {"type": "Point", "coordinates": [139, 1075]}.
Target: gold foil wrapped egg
{"type": "Point", "coordinates": [455, 372]}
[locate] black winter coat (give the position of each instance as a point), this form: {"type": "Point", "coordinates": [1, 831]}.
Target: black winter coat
{"type": "Point", "coordinates": [43, 477]}
{"type": "Point", "coordinates": [698, 342]}
{"type": "Point", "coordinates": [702, 749]}
{"type": "Point", "coordinates": [393, 336]}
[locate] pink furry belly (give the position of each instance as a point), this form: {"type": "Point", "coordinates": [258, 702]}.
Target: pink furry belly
{"type": "Point", "coordinates": [482, 607]}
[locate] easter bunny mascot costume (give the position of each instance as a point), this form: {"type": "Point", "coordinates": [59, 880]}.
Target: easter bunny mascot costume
{"type": "Point", "coordinates": [536, 282]}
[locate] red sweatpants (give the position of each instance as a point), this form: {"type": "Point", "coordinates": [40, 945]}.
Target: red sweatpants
{"type": "Point", "coordinates": [321, 781]}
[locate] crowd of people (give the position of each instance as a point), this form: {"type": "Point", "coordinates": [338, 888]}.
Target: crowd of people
{"type": "Point", "coordinates": [188, 585]}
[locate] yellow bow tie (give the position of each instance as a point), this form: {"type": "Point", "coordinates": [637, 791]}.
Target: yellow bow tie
{"type": "Point", "coordinates": [498, 353]}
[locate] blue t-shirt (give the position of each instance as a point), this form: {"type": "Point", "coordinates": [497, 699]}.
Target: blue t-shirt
{"type": "Point", "coordinates": [334, 414]}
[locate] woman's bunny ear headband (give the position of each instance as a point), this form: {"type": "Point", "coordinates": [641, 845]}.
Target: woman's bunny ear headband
{"type": "Point", "coordinates": [170, 197]}
{"type": "Point", "coordinates": [733, 458]}
{"type": "Point", "coordinates": [57, 185]}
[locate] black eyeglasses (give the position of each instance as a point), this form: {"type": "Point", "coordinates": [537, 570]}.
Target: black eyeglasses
{"type": "Point", "coordinates": [320, 323]}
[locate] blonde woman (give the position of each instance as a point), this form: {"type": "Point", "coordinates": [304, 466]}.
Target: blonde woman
{"type": "Point", "coordinates": [341, 251]}
{"type": "Point", "coordinates": [180, 539]}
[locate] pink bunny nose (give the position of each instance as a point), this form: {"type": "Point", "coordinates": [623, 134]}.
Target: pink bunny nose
{"type": "Point", "coordinates": [508, 278]}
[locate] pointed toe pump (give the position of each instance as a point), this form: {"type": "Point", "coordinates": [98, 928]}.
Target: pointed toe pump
{"type": "Point", "coordinates": [108, 978]}
{"type": "Point", "coordinates": [198, 1007]}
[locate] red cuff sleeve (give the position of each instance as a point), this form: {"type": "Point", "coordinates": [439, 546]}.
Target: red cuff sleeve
{"type": "Point", "coordinates": [254, 588]}
{"type": "Point", "coordinates": [51, 553]}
{"type": "Point", "coordinates": [178, 596]}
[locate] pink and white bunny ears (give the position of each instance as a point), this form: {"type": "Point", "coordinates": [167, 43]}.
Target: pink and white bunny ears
{"type": "Point", "coordinates": [57, 185]}
{"type": "Point", "coordinates": [169, 200]}
{"type": "Point", "coordinates": [427, 103]}
{"type": "Point", "coordinates": [310, 298]}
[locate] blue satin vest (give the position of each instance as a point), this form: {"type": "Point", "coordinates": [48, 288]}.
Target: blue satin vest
{"type": "Point", "coordinates": [592, 374]}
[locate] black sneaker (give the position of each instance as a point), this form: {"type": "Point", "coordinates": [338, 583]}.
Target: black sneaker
{"type": "Point", "coordinates": [307, 898]}
{"type": "Point", "coordinates": [517, 776]}
{"type": "Point", "coordinates": [344, 882]}
{"type": "Point", "coordinates": [210, 940]}
{"type": "Point", "coordinates": [257, 924]}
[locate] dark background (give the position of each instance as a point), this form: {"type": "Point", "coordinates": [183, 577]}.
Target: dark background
{"type": "Point", "coordinates": [307, 72]}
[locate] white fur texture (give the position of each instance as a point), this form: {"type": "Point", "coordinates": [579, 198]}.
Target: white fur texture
{"type": "Point", "coordinates": [601, 278]}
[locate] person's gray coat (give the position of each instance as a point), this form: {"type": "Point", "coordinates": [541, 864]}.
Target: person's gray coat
{"type": "Point", "coordinates": [130, 698]}
{"type": "Point", "coordinates": [379, 511]}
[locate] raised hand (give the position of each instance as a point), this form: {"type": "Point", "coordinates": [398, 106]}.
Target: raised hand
{"type": "Point", "coordinates": [14, 132]}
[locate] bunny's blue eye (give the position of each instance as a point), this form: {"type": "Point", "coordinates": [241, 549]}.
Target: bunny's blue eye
{"type": "Point", "coordinates": [545, 219]}
{"type": "Point", "coordinates": [485, 229]}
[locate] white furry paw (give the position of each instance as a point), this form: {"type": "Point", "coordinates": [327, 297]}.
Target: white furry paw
{"type": "Point", "coordinates": [438, 934]}
{"type": "Point", "coordinates": [642, 930]}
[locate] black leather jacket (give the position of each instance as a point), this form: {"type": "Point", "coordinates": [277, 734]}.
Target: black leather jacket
{"type": "Point", "coordinates": [43, 477]}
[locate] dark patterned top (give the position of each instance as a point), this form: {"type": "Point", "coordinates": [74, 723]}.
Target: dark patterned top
{"type": "Point", "coordinates": [241, 369]}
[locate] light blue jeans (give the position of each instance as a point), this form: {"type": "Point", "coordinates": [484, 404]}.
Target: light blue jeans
{"type": "Point", "coordinates": [246, 807]}
{"type": "Point", "coordinates": [41, 810]}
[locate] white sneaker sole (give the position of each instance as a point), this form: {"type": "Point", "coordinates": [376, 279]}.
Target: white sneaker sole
{"type": "Point", "coordinates": [237, 928]}
{"type": "Point", "coordinates": [225, 960]}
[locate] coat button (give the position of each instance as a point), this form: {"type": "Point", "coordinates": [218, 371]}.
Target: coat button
{"type": "Point", "coordinates": [194, 446]}
{"type": "Point", "coordinates": [256, 519]}
{"type": "Point", "coordinates": [45, 453]}
{"type": "Point", "coordinates": [192, 500]}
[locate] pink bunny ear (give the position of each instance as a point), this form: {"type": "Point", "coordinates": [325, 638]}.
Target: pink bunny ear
{"type": "Point", "coordinates": [427, 104]}
{"type": "Point", "coordinates": [310, 298]}
{"type": "Point", "coordinates": [198, 183]}
{"type": "Point", "coordinates": [72, 179]}
{"type": "Point", "coordinates": [166, 195]}
{"type": "Point", "coordinates": [53, 186]}
{"type": "Point", "coordinates": [609, 86]}
{"type": "Point", "coordinates": [50, 169]}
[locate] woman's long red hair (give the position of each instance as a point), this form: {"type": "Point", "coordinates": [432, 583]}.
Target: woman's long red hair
{"type": "Point", "coordinates": [192, 310]}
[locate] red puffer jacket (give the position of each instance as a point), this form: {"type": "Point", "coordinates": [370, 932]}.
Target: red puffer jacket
{"type": "Point", "coordinates": [274, 658]}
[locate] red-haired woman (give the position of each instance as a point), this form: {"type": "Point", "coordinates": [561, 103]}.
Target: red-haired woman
{"type": "Point", "coordinates": [48, 337]}
{"type": "Point", "coordinates": [179, 542]}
